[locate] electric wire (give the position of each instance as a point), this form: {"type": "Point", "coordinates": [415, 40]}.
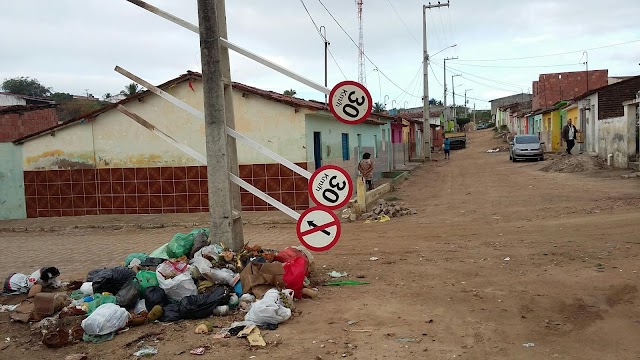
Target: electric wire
{"type": "Point", "coordinates": [323, 39]}
{"type": "Point", "coordinates": [357, 46]}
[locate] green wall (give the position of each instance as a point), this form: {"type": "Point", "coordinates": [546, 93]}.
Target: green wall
{"type": "Point", "coordinates": [12, 203]}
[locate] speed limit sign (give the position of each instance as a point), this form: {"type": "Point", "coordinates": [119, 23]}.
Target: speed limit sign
{"type": "Point", "coordinates": [330, 186]}
{"type": "Point", "coordinates": [350, 102]}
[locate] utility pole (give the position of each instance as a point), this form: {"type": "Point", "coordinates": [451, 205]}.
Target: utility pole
{"type": "Point", "coordinates": [466, 102]}
{"type": "Point", "coordinates": [453, 88]}
{"type": "Point", "coordinates": [586, 64]}
{"type": "Point", "coordinates": [326, 50]}
{"type": "Point", "coordinates": [218, 109]}
{"type": "Point", "coordinates": [445, 78]}
{"type": "Point", "coordinates": [425, 71]}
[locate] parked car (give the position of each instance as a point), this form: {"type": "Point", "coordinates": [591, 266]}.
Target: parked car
{"type": "Point", "coordinates": [482, 126]}
{"type": "Point", "coordinates": [526, 147]}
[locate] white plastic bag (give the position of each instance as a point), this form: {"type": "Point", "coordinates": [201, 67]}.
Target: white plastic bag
{"type": "Point", "coordinates": [211, 251]}
{"type": "Point", "coordinates": [268, 310]}
{"type": "Point", "coordinates": [224, 276]}
{"type": "Point", "coordinates": [178, 287]}
{"type": "Point", "coordinates": [105, 319]}
{"type": "Point", "coordinates": [87, 288]}
{"type": "Point", "coordinates": [141, 306]}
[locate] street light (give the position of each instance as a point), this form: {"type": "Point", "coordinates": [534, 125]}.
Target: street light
{"type": "Point", "coordinates": [448, 47]}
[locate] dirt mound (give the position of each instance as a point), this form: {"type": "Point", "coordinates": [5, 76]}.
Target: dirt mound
{"type": "Point", "coordinates": [574, 164]}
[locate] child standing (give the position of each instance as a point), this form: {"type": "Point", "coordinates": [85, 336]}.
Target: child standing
{"type": "Point", "coordinates": [365, 167]}
{"type": "Point", "coordinates": [447, 148]}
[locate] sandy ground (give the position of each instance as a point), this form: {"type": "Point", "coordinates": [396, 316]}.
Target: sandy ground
{"type": "Point", "coordinates": [499, 255]}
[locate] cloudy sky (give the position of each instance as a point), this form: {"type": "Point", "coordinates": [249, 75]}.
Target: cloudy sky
{"type": "Point", "coordinates": [74, 45]}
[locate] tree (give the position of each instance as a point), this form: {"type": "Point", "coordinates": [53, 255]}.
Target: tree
{"type": "Point", "coordinates": [289, 92]}
{"type": "Point", "coordinates": [61, 97]}
{"type": "Point", "coordinates": [106, 96]}
{"type": "Point", "coordinates": [26, 86]}
{"type": "Point", "coordinates": [378, 107]}
{"type": "Point", "coordinates": [432, 101]}
{"type": "Point", "coordinates": [131, 89]}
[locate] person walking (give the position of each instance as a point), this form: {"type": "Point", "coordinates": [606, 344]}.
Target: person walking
{"type": "Point", "coordinates": [447, 148]}
{"type": "Point", "coordinates": [365, 167]}
{"type": "Point", "coordinates": [569, 133]}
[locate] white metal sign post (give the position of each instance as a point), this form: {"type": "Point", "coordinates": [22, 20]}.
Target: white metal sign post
{"type": "Point", "coordinates": [318, 229]}
{"type": "Point", "coordinates": [331, 187]}
{"type": "Point", "coordinates": [350, 102]}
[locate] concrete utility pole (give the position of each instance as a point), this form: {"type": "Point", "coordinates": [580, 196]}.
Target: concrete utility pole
{"type": "Point", "coordinates": [465, 101]}
{"type": "Point", "coordinates": [453, 88]}
{"type": "Point", "coordinates": [445, 78]}
{"type": "Point", "coordinates": [222, 156]}
{"type": "Point", "coordinates": [425, 71]}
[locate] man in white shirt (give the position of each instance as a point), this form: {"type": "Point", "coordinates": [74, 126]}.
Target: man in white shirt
{"type": "Point", "coordinates": [569, 133]}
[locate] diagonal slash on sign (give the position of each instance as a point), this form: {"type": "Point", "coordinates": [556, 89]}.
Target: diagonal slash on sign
{"type": "Point", "coordinates": [318, 228]}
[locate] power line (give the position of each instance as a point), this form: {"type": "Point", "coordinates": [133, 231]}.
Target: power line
{"type": "Point", "coordinates": [403, 23]}
{"type": "Point", "coordinates": [415, 77]}
{"type": "Point", "coordinates": [323, 38]}
{"type": "Point", "coordinates": [556, 54]}
{"type": "Point", "coordinates": [492, 86]}
{"type": "Point", "coordinates": [357, 46]}
{"type": "Point", "coordinates": [480, 77]}
{"type": "Point", "coordinates": [514, 67]}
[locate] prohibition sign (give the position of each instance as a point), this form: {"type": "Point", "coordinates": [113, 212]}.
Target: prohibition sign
{"type": "Point", "coordinates": [318, 228]}
{"type": "Point", "coordinates": [330, 186]}
{"type": "Point", "coordinates": [350, 102]}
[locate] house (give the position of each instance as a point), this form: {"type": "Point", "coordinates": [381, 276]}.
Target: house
{"type": "Point", "coordinates": [9, 99]}
{"type": "Point", "coordinates": [17, 121]}
{"type": "Point", "coordinates": [609, 115]}
{"type": "Point", "coordinates": [507, 100]}
{"type": "Point", "coordinates": [105, 163]}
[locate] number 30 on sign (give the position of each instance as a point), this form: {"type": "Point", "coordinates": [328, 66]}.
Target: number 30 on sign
{"type": "Point", "coordinates": [330, 186]}
{"type": "Point", "coordinates": [350, 102]}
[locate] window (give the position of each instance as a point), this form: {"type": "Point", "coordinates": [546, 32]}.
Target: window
{"type": "Point", "coordinates": [375, 146]}
{"type": "Point", "coordinates": [345, 147]}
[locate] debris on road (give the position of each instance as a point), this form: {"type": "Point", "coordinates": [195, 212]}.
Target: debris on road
{"type": "Point", "coordinates": [186, 278]}
{"type": "Point", "coordinates": [345, 283]}
{"type": "Point", "coordinates": [575, 163]}
{"type": "Point", "coordinates": [529, 345]}
{"type": "Point", "coordinates": [337, 274]}
{"type": "Point", "coordinates": [386, 210]}
{"type": "Point", "coordinates": [373, 258]}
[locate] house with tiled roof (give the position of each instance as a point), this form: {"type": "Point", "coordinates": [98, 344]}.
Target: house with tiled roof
{"type": "Point", "coordinates": [105, 163]}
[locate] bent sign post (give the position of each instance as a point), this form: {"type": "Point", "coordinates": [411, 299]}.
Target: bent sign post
{"type": "Point", "coordinates": [318, 228]}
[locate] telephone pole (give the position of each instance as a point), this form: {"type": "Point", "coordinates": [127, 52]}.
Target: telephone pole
{"type": "Point", "coordinates": [453, 88]}
{"type": "Point", "coordinates": [326, 49]}
{"type": "Point", "coordinates": [222, 158]}
{"type": "Point", "coordinates": [425, 70]}
{"type": "Point", "coordinates": [465, 101]}
{"type": "Point", "coordinates": [445, 78]}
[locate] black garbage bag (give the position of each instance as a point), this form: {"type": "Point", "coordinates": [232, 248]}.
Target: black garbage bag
{"type": "Point", "coordinates": [93, 273]}
{"type": "Point", "coordinates": [200, 240]}
{"type": "Point", "coordinates": [112, 280]}
{"type": "Point", "coordinates": [152, 262]}
{"type": "Point", "coordinates": [155, 296]}
{"type": "Point", "coordinates": [170, 313]}
{"type": "Point", "coordinates": [129, 295]}
{"type": "Point", "coordinates": [201, 306]}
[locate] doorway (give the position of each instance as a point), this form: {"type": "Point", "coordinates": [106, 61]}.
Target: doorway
{"type": "Point", "coordinates": [317, 149]}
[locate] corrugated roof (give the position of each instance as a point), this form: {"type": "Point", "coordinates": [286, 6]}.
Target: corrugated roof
{"type": "Point", "coordinates": [24, 108]}
{"type": "Point", "coordinates": [191, 75]}
{"type": "Point", "coordinates": [28, 97]}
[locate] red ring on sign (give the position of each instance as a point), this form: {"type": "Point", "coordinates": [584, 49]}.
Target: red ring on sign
{"type": "Point", "coordinates": [359, 86]}
{"type": "Point", "coordinates": [315, 175]}
{"type": "Point", "coordinates": [336, 221]}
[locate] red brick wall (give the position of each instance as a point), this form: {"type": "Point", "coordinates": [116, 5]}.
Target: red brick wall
{"type": "Point", "coordinates": [610, 99]}
{"type": "Point", "coordinates": [18, 124]}
{"type": "Point", "coordinates": [550, 88]}
{"type": "Point", "coordinates": [157, 190]}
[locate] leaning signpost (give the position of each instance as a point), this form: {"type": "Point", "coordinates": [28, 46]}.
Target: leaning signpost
{"type": "Point", "coordinates": [330, 187]}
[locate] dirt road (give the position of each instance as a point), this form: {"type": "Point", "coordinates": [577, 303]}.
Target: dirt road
{"type": "Point", "coordinates": [499, 255]}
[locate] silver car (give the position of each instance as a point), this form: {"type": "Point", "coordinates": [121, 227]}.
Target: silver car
{"type": "Point", "coordinates": [526, 147]}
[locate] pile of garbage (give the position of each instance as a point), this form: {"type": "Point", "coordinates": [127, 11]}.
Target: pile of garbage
{"type": "Point", "coordinates": [388, 210]}
{"type": "Point", "coordinates": [187, 278]}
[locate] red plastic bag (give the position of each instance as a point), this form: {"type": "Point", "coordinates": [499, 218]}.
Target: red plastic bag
{"type": "Point", "coordinates": [294, 273]}
{"type": "Point", "coordinates": [170, 269]}
{"type": "Point", "coordinates": [289, 254]}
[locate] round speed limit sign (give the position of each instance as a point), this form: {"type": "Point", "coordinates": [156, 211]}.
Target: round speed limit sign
{"type": "Point", "coordinates": [350, 102]}
{"type": "Point", "coordinates": [330, 186]}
